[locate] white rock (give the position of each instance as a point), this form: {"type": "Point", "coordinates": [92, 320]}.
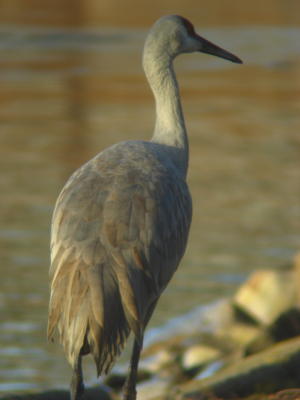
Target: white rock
{"type": "Point", "coordinates": [198, 355]}
{"type": "Point", "coordinates": [266, 294]}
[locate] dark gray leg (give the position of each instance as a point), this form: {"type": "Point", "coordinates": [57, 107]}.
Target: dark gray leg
{"type": "Point", "coordinates": [129, 387]}
{"type": "Point", "coordinates": [77, 386]}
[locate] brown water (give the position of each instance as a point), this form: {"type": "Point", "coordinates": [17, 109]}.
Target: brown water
{"type": "Point", "coordinates": [70, 88]}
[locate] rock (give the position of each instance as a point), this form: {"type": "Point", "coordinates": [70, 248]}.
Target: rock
{"type": "Point", "coordinates": [157, 361]}
{"type": "Point", "coordinates": [210, 369]}
{"type": "Point", "coordinates": [116, 380]}
{"type": "Point", "coordinates": [266, 295]}
{"type": "Point", "coordinates": [286, 326]}
{"type": "Point", "coordinates": [241, 334]}
{"type": "Point", "coordinates": [260, 343]}
{"type": "Point", "coordinates": [47, 395]}
{"type": "Point", "coordinates": [289, 394]}
{"type": "Point", "coordinates": [199, 355]}
{"type": "Point", "coordinates": [267, 372]}
{"type": "Point", "coordinates": [95, 393]}
{"type": "Point", "coordinates": [154, 388]}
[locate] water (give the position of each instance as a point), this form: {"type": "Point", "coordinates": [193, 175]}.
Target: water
{"type": "Point", "coordinates": [68, 92]}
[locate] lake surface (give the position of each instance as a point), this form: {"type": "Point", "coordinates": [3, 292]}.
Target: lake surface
{"type": "Point", "coordinates": [68, 92]}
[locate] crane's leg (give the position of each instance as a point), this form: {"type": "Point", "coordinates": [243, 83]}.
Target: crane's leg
{"type": "Point", "coordinates": [129, 387]}
{"type": "Point", "coordinates": [77, 386]}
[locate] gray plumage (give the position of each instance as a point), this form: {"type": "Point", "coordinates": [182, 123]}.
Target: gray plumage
{"type": "Point", "coordinates": [121, 223]}
{"type": "Point", "coordinates": [114, 228]}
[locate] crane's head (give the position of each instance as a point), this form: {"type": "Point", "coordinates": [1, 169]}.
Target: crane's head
{"type": "Point", "coordinates": [174, 34]}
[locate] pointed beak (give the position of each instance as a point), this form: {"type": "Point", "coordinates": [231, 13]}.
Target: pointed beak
{"type": "Point", "coordinates": [210, 48]}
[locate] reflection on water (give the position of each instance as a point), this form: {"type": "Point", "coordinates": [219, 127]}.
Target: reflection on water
{"type": "Point", "coordinates": [66, 94]}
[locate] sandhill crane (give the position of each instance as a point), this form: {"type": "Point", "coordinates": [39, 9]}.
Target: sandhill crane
{"type": "Point", "coordinates": [121, 223]}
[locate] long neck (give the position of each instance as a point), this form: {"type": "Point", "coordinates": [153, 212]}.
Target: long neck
{"type": "Point", "coordinates": [169, 126]}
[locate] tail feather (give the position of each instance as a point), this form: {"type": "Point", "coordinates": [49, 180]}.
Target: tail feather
{"type": "Point", "coordinates": [95, 306]}
{"type": "Point", "coordinates": [108, 326]}
{"type": "Point", "coordinates": [86, 308]}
